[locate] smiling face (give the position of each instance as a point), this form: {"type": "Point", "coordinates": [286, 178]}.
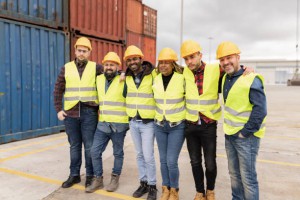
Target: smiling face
{"type": "Point", "coordinates": [110, 69]}
{"type": "Point", "coordinates": [230, 63]}
{"type": "Point", "coordinates": [82, 52]}
{"type": "Point", "coordinates": [165, 67]}
{"type": "Point", "coordinates": [134, 63]}
{"type": "Point", "coordinates": [193, 61]}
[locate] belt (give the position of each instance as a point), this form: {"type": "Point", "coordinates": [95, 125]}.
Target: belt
{"type": "Point", "coordinates": [171, 124]}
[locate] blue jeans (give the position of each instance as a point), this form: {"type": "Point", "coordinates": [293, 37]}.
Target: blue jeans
{"type": "Point", "coordinates": [81, 130]}
{"type": "Point", "coordinates": [169, 141]}
{"type": "Point", "coordinates": [101, 140]}
{"type": "Point", "coordinates": [242, 154]}
{"type": "Point", "coordinates": [143, 139]}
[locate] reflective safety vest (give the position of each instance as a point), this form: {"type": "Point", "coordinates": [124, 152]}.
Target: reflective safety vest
{"type": "Point", "coordinates": [140, 99]}
{"type": "Point", "coordinates": [170, 104]}
{"type": "Point", "coordinates": [111, 103]}
{"type": "Point", "coordinates": [191, 96]}
{"type": "Point", "coordinates": [207, 102]}
{"type": "Point", "coordinates": [77, 89]}
{"type": "Point", "coordinates": [238, 108]}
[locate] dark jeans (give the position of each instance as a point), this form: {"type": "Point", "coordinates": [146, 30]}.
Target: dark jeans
{"type": "Point", "coordinates": [81, 130]}
{"type": "Point", "coordinates": [202, 138]}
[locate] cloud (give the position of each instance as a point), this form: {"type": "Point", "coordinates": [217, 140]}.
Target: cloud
{"type": "Point", "coordinates": [262, 29]}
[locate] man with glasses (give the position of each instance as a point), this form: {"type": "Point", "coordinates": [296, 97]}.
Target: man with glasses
{"type": "Point", "coordinates": [140, 107]}
{"type": "Point", "coordinates": [76, 83]}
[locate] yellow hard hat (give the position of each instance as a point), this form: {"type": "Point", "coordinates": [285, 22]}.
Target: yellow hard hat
{"type": "Point", "coordinates": [111, 56]}
{"type": "Point", "coordinates": [83, 41]}
{"type": "Point", "coordinates": [133, 51]}
{"type": "Point", "coordinates": [167, 54]}
{"type": "Point", "coordinates": [226, 49]}
{"type": "Point", "coordinates": [189, 47]}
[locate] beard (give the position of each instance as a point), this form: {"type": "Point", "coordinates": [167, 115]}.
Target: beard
{"type": "Point", "coordinates": [110, 74]}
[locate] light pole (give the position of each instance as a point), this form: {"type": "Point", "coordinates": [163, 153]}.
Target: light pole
{"type": "Point", "coordinates": [181, 30]}
{"type": "Point", "coordinates": [210, 38]}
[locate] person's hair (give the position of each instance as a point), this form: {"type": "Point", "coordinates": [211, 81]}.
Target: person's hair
{"type": "Point", "coordinates": [176, 68]}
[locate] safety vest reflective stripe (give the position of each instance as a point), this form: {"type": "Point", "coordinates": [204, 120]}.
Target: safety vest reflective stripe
{"type": "Point", "coordinates": [170, 101]}
{"type": "Point", "coordinates": [113, 112]}
{"type": "Point", "coordinates": [143, 95]}
{"type": "Point", "coordinates": [192, 112]}
{"type": "Point", "coordinates": [77, 89]}
{"type": "Point", "coordinates": [202, 102]}
{"type": "Point", "coordinates": [112, 103]}
{"type": "Point", "coordinates": [239, 124]}
{"type": "Point", "coordinates": [78, 98]}
{"type": "Point", "coordinates": [145, 107]}
{"type": "Point", "coordinates": [236, 113]}
{"type": "Point", "coordinates": [216, 111]}
{"type": "Point", "coordinates": [172, 111]}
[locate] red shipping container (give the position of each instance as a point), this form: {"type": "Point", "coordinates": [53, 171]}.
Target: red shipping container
{"type": "Point", "coordinates": [149, 21]}
{"type": "Point", "coordinates": [149, 49]}
{"type": "Point", "coordinates": [134, 39]}
{"type": "Point", "coordinates": [100, 49]}
{"type": "Point", "coordinates": [99, 18]}
{"type": "Point", "coordinates": [134, 19]}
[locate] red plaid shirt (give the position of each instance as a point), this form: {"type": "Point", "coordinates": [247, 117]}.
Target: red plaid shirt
{"type": "Point", "coordinates": [199, 76]}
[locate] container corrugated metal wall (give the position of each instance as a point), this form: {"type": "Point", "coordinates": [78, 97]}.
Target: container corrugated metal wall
{"type": "Point", "coordinates": [100, 49]}
{"type": "Point", "coordinates": [149, 21]}
{"type": "Point", "coordinates": [31, 58]}
{"type": "Point", "coordinates": [51, 13]}
{"type": "Point", "coordinates": [149, 49]}
{"type": "Point", "coordinates": [98, 18]}
{"type": "Point", "coordinates": [134, 39]}
{"type": "Point", "coordinates": [134, 19]}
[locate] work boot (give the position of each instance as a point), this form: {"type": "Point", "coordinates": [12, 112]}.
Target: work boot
{"type": "Point", "coordinates": [199, 196]}
{"type": "Point", "coordinates": [114, 183]}
{"type": "Point", "coordinates": [97, 183]}
{"type": "Point", "coordinates": [88, 180]}
{"type": "Point", "coordinates": [165, 194]}
{"type": "Point", "coordinates": [152, 192]}
{"type": "Point", "coordinates": [71, 181]}
{"type": "Point", "coordinates": [174, 194]}
{"type": "Point", "coordinates": [210, 195]}
{"type": "Point", "coordinates": [143, 189]}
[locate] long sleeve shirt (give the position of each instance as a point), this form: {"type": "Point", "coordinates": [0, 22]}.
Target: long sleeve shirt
{"type": "Point", "coordinates": [60, 87]}
{"type": "Point", "coordinates": [257, 98]}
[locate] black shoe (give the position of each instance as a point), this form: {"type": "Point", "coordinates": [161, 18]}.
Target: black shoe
{"type": "Point", "coordinates": [152, 192]}
{"type": "Point", "coordinates": [88, 180]}
{"type": "Point", "coordinates": [143, 189]}
{"type": "Point", "coordinates": [71, 181]}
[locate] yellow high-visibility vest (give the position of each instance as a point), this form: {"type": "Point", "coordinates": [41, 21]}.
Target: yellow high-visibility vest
{"type": "Point", "coordinates": [111, 103]}
{"type": "Point", "coordinates": [238, 108]}
{"type": "Point", "coordinates": [140, 99]}
{"type": "Point", "coordinates": [170, 104]}
{"type": "Point", "coordinates": [77, 89]}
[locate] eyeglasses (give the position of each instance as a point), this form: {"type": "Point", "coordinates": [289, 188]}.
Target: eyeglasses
{"type": "Point", "coordinates": [82, 51]}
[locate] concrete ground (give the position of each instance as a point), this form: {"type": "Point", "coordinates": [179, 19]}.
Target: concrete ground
{"type": "Point", "coordinates": [34, 169]}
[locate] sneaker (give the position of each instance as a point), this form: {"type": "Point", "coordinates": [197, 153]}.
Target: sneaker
{"type": "Point", "coordinates": [152, 195]}
{"type": "Point", "coordinates": [88, 180]}
{"type": "Point", "coordinates": [143, 189]}
{"type": "Point", "coordinates": [97, 183]}
{"type": "Point", "coordinates": [199, 196]}
{"type": "Point", "coordinates": [114, 183]}
{"type": "Point", "coordinates": [71, 181]}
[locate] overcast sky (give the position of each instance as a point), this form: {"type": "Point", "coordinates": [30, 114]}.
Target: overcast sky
{"type": "Point", "coordinates": [263, 29]}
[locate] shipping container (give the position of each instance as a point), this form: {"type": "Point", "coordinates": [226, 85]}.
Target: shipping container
{"type": "Point", "coordinates": [98, 18]}
{"type": "Point", "coordinates": [31, 58]}
{"type": "Point", "coordinates": [149, 21]}
{"type": "Point", "coordinates": [134, 16]}
{"type": "Point", "coordinates": [134, 39]}
{"type": "Point", "coordinates": [99, 48]}
{"type": "Point", "coordinates": [50, 13]}
{"type": "Point", "coordinates": [149, 49]}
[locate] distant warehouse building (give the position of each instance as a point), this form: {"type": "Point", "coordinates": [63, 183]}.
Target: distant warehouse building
{"type": "Point", "coordinates": [274, 71]}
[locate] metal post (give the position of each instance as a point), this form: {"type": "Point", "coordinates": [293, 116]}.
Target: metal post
{"type": "Point", "coordinates": [210, 38]}
{"type": "Point", "coordinates": [181, 30]}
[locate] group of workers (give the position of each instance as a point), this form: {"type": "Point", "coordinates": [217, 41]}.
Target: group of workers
{"type": "Point", "coordinates": [168, 103]}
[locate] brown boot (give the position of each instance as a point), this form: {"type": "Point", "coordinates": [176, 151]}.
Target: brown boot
{"type": "Point", "coordinates": [210, 195]}
{"type": "Point", "coordinates": [199, 196]}
{"type": "Point", "coordinates": [114, 183]}
{"type": "Point", "coordinates": [174, 194]}
{"type": "Point", "coordinates": [165, 193]}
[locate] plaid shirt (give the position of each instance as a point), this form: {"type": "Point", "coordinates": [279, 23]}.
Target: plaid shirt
{"type": "Point", "coordinates": [199, 76]}
{"type": "Point", "coordinates": [60, 87]}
